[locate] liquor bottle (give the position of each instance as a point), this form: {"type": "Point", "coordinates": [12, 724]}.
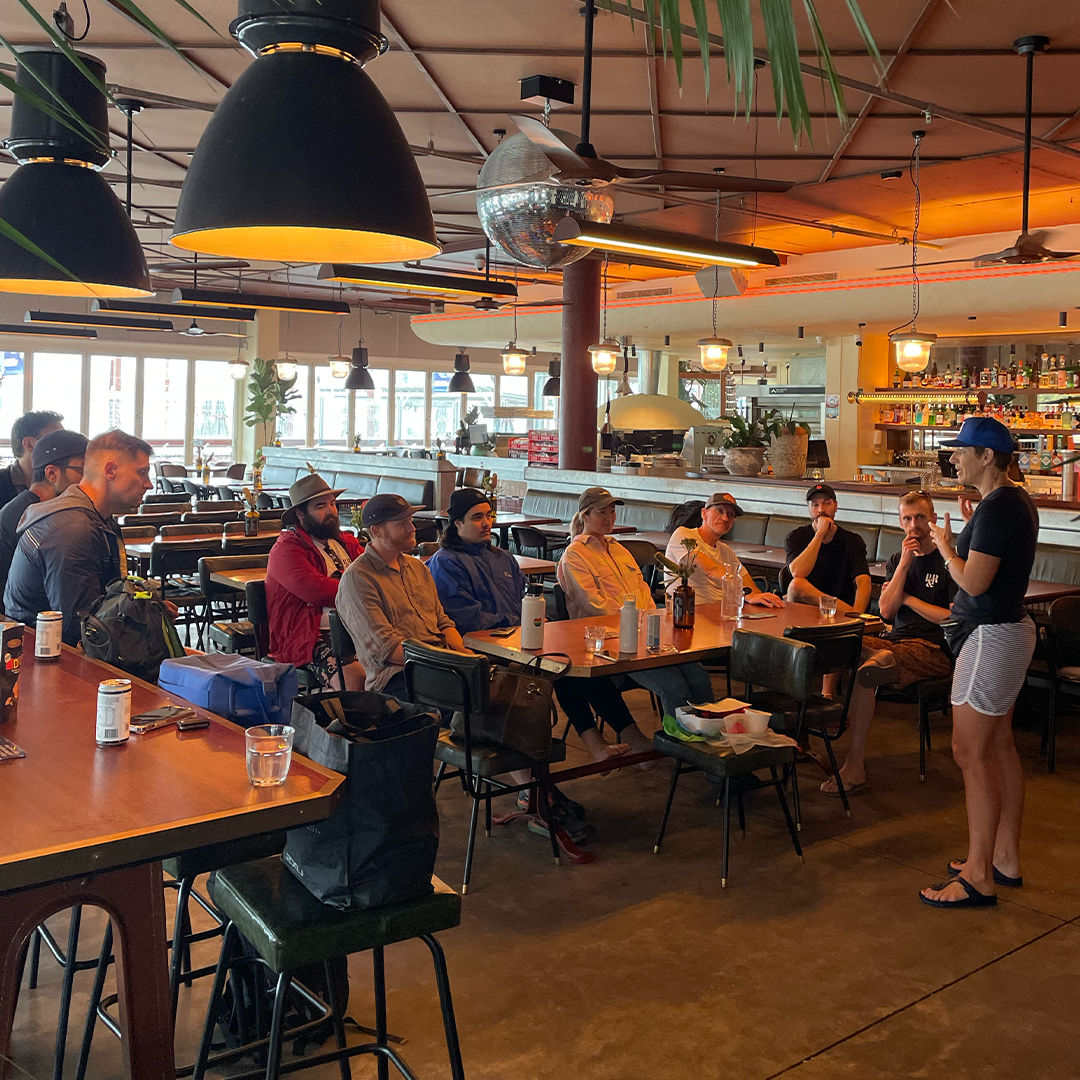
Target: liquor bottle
{"type": "Point", "coordinates": [1044, 374]}
{"type": "Point", "coordinates": [907, 380]}
{"type": "Point", "coordinates": [897, 379]}
{"type": "Point", "coordinates": [1012, 376]}
{"type": "Point", "coordinates": [918, 412]}
{"type": "Point", "coordinates": [948, 376]}
{"type": "Point", "coordinates": [917, 379]}
{"type": "Point", "coordinates": [1061, 374]}
{"type": "Point", "coordinates": [965, 379]}
{"type": "Point", "coordinates": [1002, 377]}
{"type": "Point", "coordinates": [1021, 377]}
{"type": "Point", "coordinates": [935, 379]}
{"type": "Point", "coordinates": [939, 416]}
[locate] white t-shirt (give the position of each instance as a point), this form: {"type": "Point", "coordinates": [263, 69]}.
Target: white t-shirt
{"type": "Point", "coordinates": [708, 568]}
{"type": "Point", "coordinates": [332, 568]}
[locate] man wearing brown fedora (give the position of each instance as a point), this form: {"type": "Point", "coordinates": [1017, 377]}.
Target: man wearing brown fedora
{"type": "Point", "coordinates": [302, 576]}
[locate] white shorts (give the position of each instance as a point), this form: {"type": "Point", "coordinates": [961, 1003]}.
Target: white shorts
{"type": "Point", "coordinates": [992, 666]}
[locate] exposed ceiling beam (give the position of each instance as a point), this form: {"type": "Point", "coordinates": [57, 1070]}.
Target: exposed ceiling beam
{"type": "Point", "coordinates": [431, 80]}
{"type": "Point", "coordinates": [927, 107]}
{"type": "Point", "coordinates": [868, 105]}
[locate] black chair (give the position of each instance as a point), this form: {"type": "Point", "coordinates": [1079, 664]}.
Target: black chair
{"type": "Point", "coordinates": [427, 534]}
{"type": "Point", "coordinates": [255, 599]}
{"type": "Point", "coordinates": [1061, 638]}
{"type": "Point", "coordinates": [931, 695]}
{"type": "Point", "coordinates": [643, 553]}
{"type": "Point", "coordinates": [138, 532]}
{"type": "Point", "coordinates": [248, 545]}
{"type": "Point", "coordinates": [226, 627]}
{"type": "Point", "coordinates": [341, 644]}
{"type": "Point", "coordinates": [426, 550]}
{"type": "Point", "coordinates": [156, 520]}
{"type": "Point", "coordinates": [170, 476]}
{"type": "Point", "coordinates": [838, 651]}
{"type": "Point", "coordinates": [175, 564]}
{"type": "Point", "coordinates": [189, 530]}
{"type": "Point", "coordinates": [445, 679]}
{"type": "Point", "coordinates": [214, 506]}
{"type": "Point", "coordinates": [534, 543]}
{"type": "Point", "coordinates": [171, 507]}
{"type": "Point", "coordinates": [783, 666]}
{"type": "Point", "coordinates": [157, 499]}
{"type": "Point", "coordinates": [562, 613]}
{"type": "Point", "coordinates": [216, 517]}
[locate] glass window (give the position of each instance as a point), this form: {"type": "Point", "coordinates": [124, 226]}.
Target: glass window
{"type": "Point", "coordinates": [213, 407]}
{"type": "Point", "coordinates": [539, 380]}
{"type": "Point", "coordinates": [11, 393]}
{"type": "Point", "coordinates": [484, 398]}
{"type": "Point", "coordinates": [165, 407]}
{"type": "Point", "coordinates": [58, 386]}
{"type": "Point", "coordinates": [292, 427]}
{"type": "Point", "coordinates": [513, 394]}
{"type": "Point", "coordinates": [445, 409]}
{"type": "Point", "coordinates": [372, 410]}
{"type": "Point", "coordinates": [112, 393]}
{"type": "Point", "coordinates": [331, 409]}
{"type": "Point", "coordinates": [409, 389]}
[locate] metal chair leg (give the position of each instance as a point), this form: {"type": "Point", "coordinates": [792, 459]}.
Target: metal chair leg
{"type": "Point", "coordinates": [104, 959]}
{"type": "Point", "coordinates": [277, 1027]}
{"type": "Point", "coordinates": [177, 956]}
{"type": "Point", "coordinates": [727, 834]}
{"type": "Point", "coordinates": [446, 1004]}
{"type": "Point", "coordinates": [439, 775]}
{"type": "Point", "coordinates": [675, 773]}
{"type": "Point", "coordinates": [65, 992]}
{"type": "Point", "coordinates": [837, 777]}
{"type": "Point", "coordinates": [787, 813]}
{"type": "Point", "coordinates": [1051, 730]}
{"type": "Point", "coordinates": [795, 801]}
{"type": "Point", "coordinates": [471, 845]}
{"type": "Point", "coordinates": [35, 957]}
{"type": "Point", "coordinates": [380, 1008]}
{"type": "Point", "coordinates": [216, 992]}
{"type": "Point", "coordinates": [487, 809]}
{"type": "Point", "coordinates": [339, 1027]}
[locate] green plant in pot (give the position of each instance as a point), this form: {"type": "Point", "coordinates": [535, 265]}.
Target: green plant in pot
{"type": "Point", "coordinates": [268, 398]}
{"type": "Point", "coordinates": [788, 443]}
{"type": "Point", "coordinates": [682, 596]}
{"type": "Point", "coordinates": [744, 448]}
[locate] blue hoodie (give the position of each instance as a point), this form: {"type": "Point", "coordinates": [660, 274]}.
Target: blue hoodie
{"type": "Point", "coordinates": [480, 586]}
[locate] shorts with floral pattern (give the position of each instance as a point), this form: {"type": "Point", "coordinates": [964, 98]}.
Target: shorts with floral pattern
{"type": "Point", "coordinates": [323, 668]}
{"type": "Point", "coordinates": [916, 658]}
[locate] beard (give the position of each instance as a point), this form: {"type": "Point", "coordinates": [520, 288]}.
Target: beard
{"type": "Point", "coordinates": [328, 529]}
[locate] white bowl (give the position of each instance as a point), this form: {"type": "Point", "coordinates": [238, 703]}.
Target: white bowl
{"type": "Point", "coordinates": [748, 722]}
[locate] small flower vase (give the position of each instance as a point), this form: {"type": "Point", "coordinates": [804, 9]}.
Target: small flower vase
{"type": "Point", "coordinates": [256, 477]}
{"type": "Point", "coordinates": [682, 607]}
{"type": "Point", "coordinates": [251, 522]}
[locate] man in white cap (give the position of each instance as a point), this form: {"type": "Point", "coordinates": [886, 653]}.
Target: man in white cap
{"type": "Point", "coordinates": [714, 557]}
{"type": "Point", "coordinates": [302, 576]}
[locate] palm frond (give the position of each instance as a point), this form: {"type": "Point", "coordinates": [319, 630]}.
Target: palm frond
{"type": "Point", "coordinates": [145, 21]}
{"type": "Point", "coordinates": [737, 26]}
{"type": "Point", "coordinates": [825, 57]}
{"type": "Point", "coordinates": [701, 23]}
{"type": "Point", "coordinates": [783, 46]}
{"type": "Point", "coordinates": [864, 32]}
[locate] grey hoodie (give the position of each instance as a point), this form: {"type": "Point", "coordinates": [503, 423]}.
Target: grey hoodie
{"type": "Point", "coordinates": [67, 555]}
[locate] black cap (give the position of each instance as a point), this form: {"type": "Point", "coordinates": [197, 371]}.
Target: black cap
{"type": "Point", "coordinates": [464, 499]}
{"type": "Point", "coordinates": [823, 490]}
{"type": "Point", "coordinates": [380, 509]}
{"type": "Point", "coordinates": [58, 446]}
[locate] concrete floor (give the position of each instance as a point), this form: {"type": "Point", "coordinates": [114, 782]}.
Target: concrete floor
{"type": "Point", "coordinates": [641, 966]}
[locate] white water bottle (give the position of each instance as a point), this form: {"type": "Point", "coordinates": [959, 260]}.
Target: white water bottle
{"type": "Point", "coordinates": [628, 626]}
{"type": "Point", "coordinates": [533, 613]}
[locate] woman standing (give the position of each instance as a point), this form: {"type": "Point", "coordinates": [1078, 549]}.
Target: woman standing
{"type": "Point", "coordinates": [991, 562]}
{"type": "Point", "coordinates": [597, 573]}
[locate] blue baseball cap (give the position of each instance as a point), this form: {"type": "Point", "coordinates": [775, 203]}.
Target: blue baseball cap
{"type": "Point", "coordinates": [984, 431]}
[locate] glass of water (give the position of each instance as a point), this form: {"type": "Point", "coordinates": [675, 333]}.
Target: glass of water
{"type": "Point", "coordinates": [594, 639]}
{"type": "Point", "coordinates": [827, 606]}
{"type": "Point", "coordinates": [269, 754]}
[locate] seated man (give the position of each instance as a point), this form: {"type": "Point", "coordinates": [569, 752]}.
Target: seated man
{"type": "Point", "coordinates": [825, 559]}
{"type": "Point", "coordinates": [58, 463]}
{"type": "Point", "coordinates": [916, 599]}
{"type": "Point", "coordinates": [714, 556]}
{"type": "Point", "coordinates": [481, 588]}
{"type": "Point", "coordinates": [69, 548]}
{"type": "Point", "coordinates": [302, 576]}
{"type": "Point", "coordinates": [387, 597]}
{"type": "Point", "coordinates": [25, 432]}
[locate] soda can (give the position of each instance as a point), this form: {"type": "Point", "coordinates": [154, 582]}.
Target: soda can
{"type": "Point", "coordinates": [113, 712]}
{"type": "Point", "coordinates": [652, 630]}
{"type": "Point", "coordinates": [50, 627]}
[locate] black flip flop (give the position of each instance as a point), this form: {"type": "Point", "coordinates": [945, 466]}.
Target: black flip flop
{"type": "Point", "coordinates": [974, 898]}
{"type": "Point", "coordinates": [999, 877]}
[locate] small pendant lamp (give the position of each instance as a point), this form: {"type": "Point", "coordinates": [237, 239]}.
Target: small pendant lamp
{"type": "Point", "coordinates": [714, 349]}
{"type": "Point", "coordinates": [605, 355]}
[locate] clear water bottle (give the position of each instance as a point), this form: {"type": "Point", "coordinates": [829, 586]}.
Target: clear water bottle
{"type": "Point", "coordinates": [732, 597]}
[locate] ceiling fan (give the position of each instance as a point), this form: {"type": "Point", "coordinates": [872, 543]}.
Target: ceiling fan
{"type": "Point", "coordinates": [1029, 247]}
{"type": "Point", "coordinates": [196, 331]}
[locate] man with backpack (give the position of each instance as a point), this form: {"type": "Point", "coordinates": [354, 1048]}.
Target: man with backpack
{"type": "Point", "coordinates": [70, 548]}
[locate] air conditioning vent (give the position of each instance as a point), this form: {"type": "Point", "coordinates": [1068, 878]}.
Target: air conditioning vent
{"type": "Point", "coordinates": [641, 294]}
{"type": "Point", "coordinates": [800, 279]}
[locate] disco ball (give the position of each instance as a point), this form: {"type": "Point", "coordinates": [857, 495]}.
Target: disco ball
{"type": "Point", "coordinates": [519, 206]}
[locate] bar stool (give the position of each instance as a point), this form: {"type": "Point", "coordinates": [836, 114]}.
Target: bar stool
{"type": "Point", "coordinates": [290, 929]}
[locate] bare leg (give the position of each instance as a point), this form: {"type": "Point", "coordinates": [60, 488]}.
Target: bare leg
{"type": "Point", "coordinates": [600, 750]}
{"type": "Point", "coordinates": [354, 676]}
{"type": "Point", "coordinates": [977, 749]}
{"type": "Point", "coordinates": [860, 713]}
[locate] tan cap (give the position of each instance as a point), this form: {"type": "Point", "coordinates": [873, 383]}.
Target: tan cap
{"type": "Point", "coordinates": [596, 498]}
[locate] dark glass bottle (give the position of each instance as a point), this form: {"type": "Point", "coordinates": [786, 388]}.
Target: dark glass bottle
{"type": "Point", "coordinates": [682, 607]}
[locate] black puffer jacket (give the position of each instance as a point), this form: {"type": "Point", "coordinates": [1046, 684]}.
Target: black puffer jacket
{"type": "Point", "coordinates": [67, 556]}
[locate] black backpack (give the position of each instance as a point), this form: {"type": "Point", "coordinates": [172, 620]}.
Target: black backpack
{"type": "Point", "coordinates": [130, 628]}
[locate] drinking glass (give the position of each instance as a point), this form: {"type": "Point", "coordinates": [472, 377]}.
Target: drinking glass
{"type": "Point", "coordinates": [827, 606]}
{"type": "Point", "coordinates": [594, 639]}
{"type": "Point", "coordinates": [269, 754]}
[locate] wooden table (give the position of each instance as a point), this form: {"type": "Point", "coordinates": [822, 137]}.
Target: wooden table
{"type": "Point", "coordinates": [561, 530]}
{"type": "Point", "coordinates": [710, 637]}
{"type": "Point", "coordinates": [87, 825]}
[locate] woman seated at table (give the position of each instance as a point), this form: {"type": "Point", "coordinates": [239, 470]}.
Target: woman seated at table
{"type": "Point", "coordinates": [597, 573]}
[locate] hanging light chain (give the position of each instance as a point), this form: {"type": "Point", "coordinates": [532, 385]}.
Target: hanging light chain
{"type": "Point", "coordinates": [603, 336]}
{"type": "Point", "coordinates": [915, 237]}
{"type": "Point", "coordinates": [716, 267]}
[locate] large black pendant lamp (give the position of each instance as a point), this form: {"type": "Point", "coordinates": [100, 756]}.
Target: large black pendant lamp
{"type": "Point", "coordinates": [56, 198]}
{"type": "Point", "coordinates": [303, 160]}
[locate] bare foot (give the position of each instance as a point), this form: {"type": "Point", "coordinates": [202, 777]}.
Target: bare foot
{"type": "Point", "coordinates": [610, 750]}
{"type": "Point", "coordinates": [851, 780]}
{"type": "Point", "coordinates": [639, 744]}
{"type": "Point", "coordinates": [952, 891]}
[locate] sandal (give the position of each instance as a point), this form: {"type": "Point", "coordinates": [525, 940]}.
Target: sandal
{"type": "Point", "coordinates": [999, 877]}
{"type": "Point", "coordinates": [974, 898]}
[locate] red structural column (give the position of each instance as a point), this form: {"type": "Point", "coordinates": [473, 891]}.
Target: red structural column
{"type": "Point", "coordinates": [577, 399]}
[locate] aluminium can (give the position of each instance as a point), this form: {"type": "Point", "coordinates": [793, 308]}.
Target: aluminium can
{"type": "Point", "coordinates": [50, 628]}
{"type": "Point", "coordinates": [113, 712]}
{"type": "Point", "coordinates": [652, 630]}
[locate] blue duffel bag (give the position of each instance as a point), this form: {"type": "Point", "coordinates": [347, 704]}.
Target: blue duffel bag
{"type": "Point", "coordinates": [243, 690]}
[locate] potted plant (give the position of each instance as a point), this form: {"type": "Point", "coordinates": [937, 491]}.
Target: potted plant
{"type": "Point", "coordinates": [788, 443]}
{"type": "Point", "coordinates": [269, 398]}
{"type": "Point", "coordinates": [682, 596]}
{"type": "Point", "coordinates": [251, 515]}
{"type": "Point", "coordinates": [744, 447]}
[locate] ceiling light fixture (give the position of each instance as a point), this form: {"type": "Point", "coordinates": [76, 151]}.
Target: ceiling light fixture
{"type": "Point", "coordinates": [461, 383]}
{"type": "Point", "coordinates": [184, 311]}
{"type": "Point", "coordinates": [279, 174]}
{"type": "Point", "coordinates": [605, 354]}
{"type": "Point", "coordinates": [339, 363]}
{"type": "Point", "coordinates": [913, 348]}
{"type": "Point", "coordinates": [47, 331]}
{"type": "Point", "coordinates": [514, 358]}
{"type": "Point", "coordinates": [553, 386]}
{"type": "Point", "coordinates": [416, 281]}
{"type": "Point", "coordinates": [714, 349]}
{"type": "Point", "coordinates": [359, 378]}
{"type": "Point", "coordinates": [625, 238]}
{"type": "Point", "coordinates": [56, 198]}
{"type": "Point", "coordinates": [117, 322]}
{"type": "Point", "coordinates": [269, 302]}
{"type": "Point", "coordinates": [238, 368]}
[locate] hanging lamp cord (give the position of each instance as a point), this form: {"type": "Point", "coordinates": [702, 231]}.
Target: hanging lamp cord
{"type": "Point", "coordinates": [913, 172]}
{"type": "Point", "coordinates": [603, 336]}
{"type": "Point", "coordinates": [716, 267]}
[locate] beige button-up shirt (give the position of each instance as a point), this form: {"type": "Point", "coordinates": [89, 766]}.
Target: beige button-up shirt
{"type": "Point", "coordinates": [597, 573]}
{"type": "Point", "coordinates": [383, 607]}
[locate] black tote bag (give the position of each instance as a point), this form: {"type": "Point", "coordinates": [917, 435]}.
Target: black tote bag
{"type": "Point", "coordinates": [379, 845]}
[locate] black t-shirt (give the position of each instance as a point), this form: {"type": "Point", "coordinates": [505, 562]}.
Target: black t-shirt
{"type": "Point", "coordinates": [839, 562]}
{"type": "Point", "coordinates": [9, 521]}
{"type": "Point", "coordinates": [1006, 525]}
{"type": "Point", "coordinates": [928, 580]}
